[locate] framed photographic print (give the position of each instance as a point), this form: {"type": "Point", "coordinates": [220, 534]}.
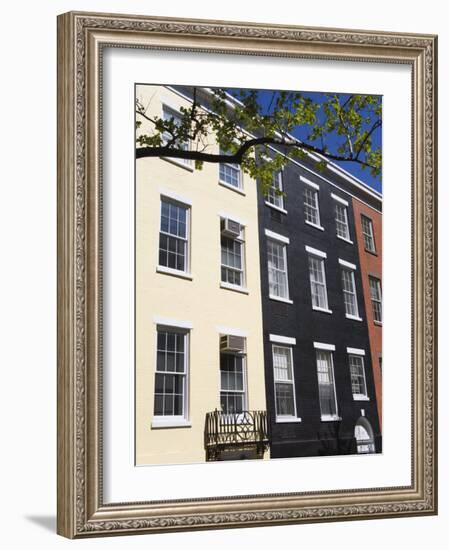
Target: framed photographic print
{"type": "Point", "coordinates": [246, 274]}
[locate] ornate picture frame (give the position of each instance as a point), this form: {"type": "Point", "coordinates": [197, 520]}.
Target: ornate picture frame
{"type": "Point", "coordinates": [82, 39]}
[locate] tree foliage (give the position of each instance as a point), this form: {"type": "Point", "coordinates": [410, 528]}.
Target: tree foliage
{"type": "Point", "coordinates": [257, 131]}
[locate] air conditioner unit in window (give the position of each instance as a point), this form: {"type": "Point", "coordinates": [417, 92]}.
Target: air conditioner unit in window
{"type": "Point", "coordinates": [230, 228]}
{"type": "Point", "coordinates": [232, 344]}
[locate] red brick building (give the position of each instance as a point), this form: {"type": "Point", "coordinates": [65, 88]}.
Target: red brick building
{"type": "Point", "coordinates": [368, 224]}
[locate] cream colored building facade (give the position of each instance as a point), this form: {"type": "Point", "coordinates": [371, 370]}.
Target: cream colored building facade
{"type": "Point", "coordinates": [183, 311]}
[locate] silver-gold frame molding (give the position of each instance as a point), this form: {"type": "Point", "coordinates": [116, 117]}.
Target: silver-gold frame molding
{"type": "Point", "coordinates": [81, 38]}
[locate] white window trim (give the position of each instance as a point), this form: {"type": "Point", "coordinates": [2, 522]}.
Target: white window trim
{"type": "Point", "coordinates": [322, 309]}
{"type": "Point", "coordinates": [229, 286]}
{"type": "Point", "coordinates": [320, 227]}
{"type": "Point", "coordinates": [240, 188]}
{"type": "Point", "coordinates": [174, 272]}
{"type": "Point", "coordinates": [231, 187]}
{"type": "Point", "coordinates": [169, 270]}
{"type": "Point", "coordinates": [322, 346]}
{"type": "Point", "coordinates": [277, 237]}
{"type": "Point", "coordinates": [185, 201]}
{"type": "Point", "coordinates": [284, 418]}
{"type": "Point", "coordinates": [173, 160]}
{"type": "Point", "coordinates": [278, 208]}
{"type": "Point", "coordinates": [353, 317]}
{"type": "Point", "coordinates": [315, 252]}
{"type": "Point", "coordinates": [339, 199]}
{"type": "Point", "coordinates": [310, 183]}
{"type": "Point", "coordinates": [347, 264]}
{"type": "Point", "coordinates": [245, 385]}
{"type": "Point", "coordinates": [355, 351]}
{"type": "Point", "coordinates": [331, 348]}
{"type": "Point", "coordinates": [278, 339]}
{"type": "Point", "coordinates": [284, 244]}
{"type": "Point", "coordinates": [345, 240]}
{"type": "Point", "coordinates": [280, 299]}
{"type": "Point", "coordinates": [172, 323]}
{"type": "Point", "coordinates": [236, 288]}
{"type": "Point", "coordinates": [174, 421]}
{"type": "Point", "coordinates": [360, 353]}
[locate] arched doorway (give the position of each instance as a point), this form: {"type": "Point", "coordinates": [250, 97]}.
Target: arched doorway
{"type": "Point", "coordinates": [364, 436]}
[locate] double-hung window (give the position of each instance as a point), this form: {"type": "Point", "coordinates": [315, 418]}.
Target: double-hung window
{"type": "Point", "coordinates": [232, 253]}
{"type": "Point", "coordinates": [170, 388]}
{"type": "Point", "coordinates": [169, 114]}
{"type": "Point", "coordinates": [376, 298]}
{"type": "Point", "coordinates": [173, 236]}
{"type": "Point", "coordinates": [317, 276]}
{"type": "Point", "coordinates": [349, 290]}
{"type": "Point", "coordinates": [368, 234]}
{"type": "Point", "coordinates": [232, 383]}
{"type": "Point", "coordinates": [274, 196]}
{"type": "Point", "coordinates": [341, 219]}
{"type": "Point", "coordinates": [311, 207]}
{"type": "Point", "coordinates": [284, 382]}
{"type": "Point", "coordinates": [357, 371]}
{"type": "Point", "coordinates": [277, 266]}
{"type": "Point", "coordinates": [326, 383]}
{"type": "Point", "coordinates": [230, 174]}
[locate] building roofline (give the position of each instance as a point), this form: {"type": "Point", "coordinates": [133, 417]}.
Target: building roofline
{"type": "Point", "coordinates": [356, 182]}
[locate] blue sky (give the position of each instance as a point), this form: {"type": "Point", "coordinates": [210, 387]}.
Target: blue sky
{"type": "Point", "coordinates": [356, 169]}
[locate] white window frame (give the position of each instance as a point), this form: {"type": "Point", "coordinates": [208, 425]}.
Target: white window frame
{"type": "Point", "coordinates": [272, 197]}
{"type": "Point", "coordinates": [174, 421]}
{"type": "Point", "coordinates": [184, 273]}
{"type": "Point", "coordinates": [369, 235]}
{"type": "Point", "coordinates": [314, 189]}
{"type": "Point", "coordinates": [352, 352]}
{"type": "Point", "coordinates": [319, 257]}
{"type": "Point", "coordinates": [183, 163]}
{"type": "Point", "coordinates": [275, 343]}
{"type": "Point", "coordinates": [340, 203]}
{"type": "Point", "coordinates": [378, 299]}
{"type": "Point", "coordinates": [329, 350]}
{"type": "Point", "coordinates": [350, 268]}
{"type": "Point", "coordinates": [240, 239]}
{"type": "Point", "coordinates": [244, 392]}
{"type": "Point", "coordinates": [235, 167]}
{"type": "Point", "coordinates": [281, 241]}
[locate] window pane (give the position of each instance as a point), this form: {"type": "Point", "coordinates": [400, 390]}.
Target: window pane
{"type": "Point", "coordinates": [317, 282]}
{"type": "Point", "coordinates": [274, 197]}
{"type": "Point", "coordinates": [326, 384]}
{"type": "Point", "coordinates": [341, 221]}
{"type": "Point", "coordinates": [285, 404]}
{"type": "Point", "coordinates": [349, 294]}
{"type": "Point", "coordinates": [368, 235]}
{"type": "Point", "coordinates": [229, 173]}
{"type": "Point", "coordinates": [277, 269]}
{"type": "Point", "coordinates": [376, 298]}
{"type": "Point", "coordinates": [311, 212]}
{"type": "Point", "coordinates": [173, 236]}
{"type": "Point", "coordinates": [170, 374]}
{"type": "Point", "coordinates": [356, 367]}
{"type": "Point", "coordinates": [232, 389]}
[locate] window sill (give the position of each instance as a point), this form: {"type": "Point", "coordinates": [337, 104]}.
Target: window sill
{"type": "Point", "coordinates": [235, 288]}
{"type": "Point", "coordinates": [320, 227]}
{"type": "Point", "coordinates": [238, 190]}
{"type": "Point", "coordinates": [330, 418]}
{"type": "Point", "coordinates": [372, 252]}
{"type": "Point", "coordinates": [159, 423]}
{"type": "Point", "coordinates": [353, 317]}
{"type": "Point", "coordinates": [378, 323]}
{"type": "Point", "coordinates": [174, 272]}
{"type": "Point", "coordinates": [357, 397]}
{"type": "Point", "coordinates": [176, 162]}
{"type": "Point", "coordinates": [288, 420]}
{"type": "Point", "coordinates": [322, 309]}
{"type": "Point", "coordinates": [277, 208]}
{"type": "Point", "coordinates": [345, 240]}
{"type": "Point", "coordinates": [279, 299]}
